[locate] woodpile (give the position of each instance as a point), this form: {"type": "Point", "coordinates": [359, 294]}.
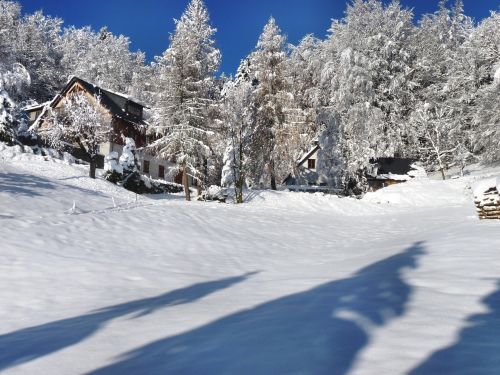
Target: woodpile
{"type": "Point", "coordinates": [487, 200]}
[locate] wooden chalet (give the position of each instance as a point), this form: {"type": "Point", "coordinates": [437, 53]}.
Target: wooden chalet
{"type": "Point", "coordinates": [126, 116]}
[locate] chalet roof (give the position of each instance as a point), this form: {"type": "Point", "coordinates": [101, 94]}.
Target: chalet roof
{"type": "Point", "coordinates": [116, 103]}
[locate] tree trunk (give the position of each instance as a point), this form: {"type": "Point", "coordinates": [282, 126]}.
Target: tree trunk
{"type": "Point", "coordinates": [185, 182]}
{"type": "Point", "coordinates": [273, 177]}
{"type": "Point", "coordinates": [441, 167]}
{"type": "Point", "coordinates": [442, 173]}
{"type": "Point", "coordinates": [239, 190]}
{"type": "Point", "coordinates": [93, 166]}
{"type": "Point", "coordinates": [239, 183]}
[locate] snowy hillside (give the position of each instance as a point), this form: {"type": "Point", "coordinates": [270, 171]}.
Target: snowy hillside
{"type": "Point", "coordinates": [404, 281]}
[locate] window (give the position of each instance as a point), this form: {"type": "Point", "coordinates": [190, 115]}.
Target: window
{"type": "Point", "coordinates": [146, 166]}
{"type": "Point", "coordinates": [311, 164]}
{"type": "Point", "coordinates": [161, 172]}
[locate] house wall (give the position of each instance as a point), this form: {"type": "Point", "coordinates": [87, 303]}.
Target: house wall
{"type": "Point", "coordinates": [154, 167]}
{"type": "Point", "coordinates": [312, 157]}
{"type": "Point", "coordinates": [154, 162]}
{"type": "Point", "coordinates": [374, 184]}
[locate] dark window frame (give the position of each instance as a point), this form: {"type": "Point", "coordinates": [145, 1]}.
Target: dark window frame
{"type": "Point", "coordinates": [311, 163]}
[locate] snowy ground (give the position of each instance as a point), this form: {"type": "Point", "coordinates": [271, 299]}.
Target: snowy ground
{"type": "Point", "coordinates": [405, 281]}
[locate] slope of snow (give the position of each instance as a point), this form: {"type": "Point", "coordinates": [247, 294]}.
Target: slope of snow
{"type": "Point", "coordinates": [404, 281]}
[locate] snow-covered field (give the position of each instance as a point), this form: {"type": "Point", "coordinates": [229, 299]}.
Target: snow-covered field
{"type": "Point", "coordinates": [405, 281]}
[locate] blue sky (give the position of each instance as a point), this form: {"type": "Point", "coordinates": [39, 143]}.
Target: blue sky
{"type": "Point", "coordinates": [148, 22]}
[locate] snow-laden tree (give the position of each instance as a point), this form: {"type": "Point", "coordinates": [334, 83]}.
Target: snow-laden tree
{"type": "Point", "coordinates": [128, 159]}
{"type": "Point", "coordinates": [271, 96]}
{"type": "Point", "coordinates": [101, 58]}
{"type": "Point", "coordinates": [7, 122]}
{"type": "Point", "coordinates": [330, 161]}
{"type": "Point", "coordinates": [10, 13]}
{"type": "Point", "coordinates": [113, 170]}
{"type": "Point", "coordinates": [484, 45]}
{"type": "Point", "coordinates": [368, 75]}
{"type": "Point", "coordinates": [38, 48]}
{"type": "Point", "coordinates": [436, 128]}
{"type": "Point", "coordinates": [446, 72]}
{"type": "Point", "coordinates": [12, 84]}
{"type": "Point", "coordinates": [304, 75]}
{"type": "Point", "coordinates": [186, 104]}
{"type": "Point", "coordinates": [80, 121]}
{"type": "Point", "coordinates": [304, 67]}
{"type": "Point", "coordinates": [239, 117]}
{"type": "Point", "coordinates": [14, 79]}
{"type": "Point", "coordinates": [487, 120]}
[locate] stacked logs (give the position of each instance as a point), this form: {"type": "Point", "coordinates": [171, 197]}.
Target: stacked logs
{"type": "Point", "coordinates": [488, 204]}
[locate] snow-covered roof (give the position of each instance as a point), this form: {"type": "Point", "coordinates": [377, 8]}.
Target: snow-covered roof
{"type": "Point", "coordinates": [394, 177]}
{"type": "Point", "coordinates": [115, 102]}
{"type": "Point", "coordinates": [101, 88]}
{"type": "Point", "coordinates": [34, 107]}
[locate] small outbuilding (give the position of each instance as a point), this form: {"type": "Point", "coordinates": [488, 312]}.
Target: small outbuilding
{"type": "Point", "coordinates": [390, 171]}
{"type": "Point", "coordinates": [307, 166]}
{"type": "Point", "coordinates": [487, 198]}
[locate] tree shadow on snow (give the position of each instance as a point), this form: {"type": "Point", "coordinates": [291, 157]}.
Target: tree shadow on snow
{"type": "Point", "coordinates": [31, 343]}
{"type": "Point", "coordinates": [24, 184]}
{"type": "Point", "coordinates": [30, 185]}
{"type": "Point", "coordinates": [477, 350]}
{"type": "Point", "coordinates": [319, 331]}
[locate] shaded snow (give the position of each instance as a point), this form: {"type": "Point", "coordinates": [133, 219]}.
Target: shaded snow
{"type": "Point", "coordinates": [403, 281]}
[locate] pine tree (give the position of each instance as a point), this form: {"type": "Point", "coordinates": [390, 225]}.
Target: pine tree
{"type": "Point", "coordinates": [186, 96]}
{"type": "Point", "coordinates": [268, 63]}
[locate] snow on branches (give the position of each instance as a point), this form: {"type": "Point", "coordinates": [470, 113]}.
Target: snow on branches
{"type": "Point", "coordinates": [80, 121]}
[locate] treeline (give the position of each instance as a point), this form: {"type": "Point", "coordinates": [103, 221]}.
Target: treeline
{"type": "Point", "coordinates": [379, 85]}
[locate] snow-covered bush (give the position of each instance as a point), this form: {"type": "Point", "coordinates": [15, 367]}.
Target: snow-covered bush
{"type": "Point", "coordinates": [213, 193]}
{"type": "Point", "coordinates": [113, 171]}
{"type": "Point", "coordinates": [139, 184]}
{"type": "Point", "coordinates": [128, 159]}
{"type": "Point", "coordinates": [7, 127]}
